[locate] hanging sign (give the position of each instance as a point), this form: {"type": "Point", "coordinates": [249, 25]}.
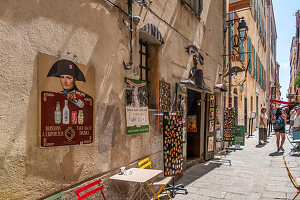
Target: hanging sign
{"type": "Point", "coordinates": [66, 93]}
{"type": "Point", "coordinates": [136, 95]}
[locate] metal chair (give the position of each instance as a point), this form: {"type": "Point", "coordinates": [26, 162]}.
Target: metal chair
{"type": "Point", "coordinates": [162, 183]}
{"type": "Point", "coordinates": [88, 186]}
{"type": "Point", "coordinates": [295, 182]}
{"type": "Point", "coordinates": [294, 139]}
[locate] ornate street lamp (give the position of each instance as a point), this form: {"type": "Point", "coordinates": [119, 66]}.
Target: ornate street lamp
{"type": "Point", "coordinates": [241, 37]}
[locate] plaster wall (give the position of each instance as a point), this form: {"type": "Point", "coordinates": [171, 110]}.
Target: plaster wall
{"type": "Point", "coordinates": [92, 33]}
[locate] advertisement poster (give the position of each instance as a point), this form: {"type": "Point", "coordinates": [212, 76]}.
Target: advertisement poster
{"type": "Point", "coordinates": [192, 123]}
{"type": "Point", "coordinates": [239, 135]}
{"type": "Point", "coordinates": [136, 106]}
{"type": "Point", "coordinates": [66, 107]}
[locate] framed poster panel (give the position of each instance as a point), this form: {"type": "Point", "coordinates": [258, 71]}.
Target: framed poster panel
{"type": "Point", "coordinates": [212, 101]}
{"type": "Point", "coordinates": [66, 107]}
{"type": "Point", "coordinates": [210, 146]}
{"type": "Point", "coordinates": [211, 125]}
{"type": "Point", "coordinates": [211, 113]}
{"type": "Point", "coordinates": [136, 96]}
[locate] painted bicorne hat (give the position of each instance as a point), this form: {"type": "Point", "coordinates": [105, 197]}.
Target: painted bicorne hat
{"type": "Point", "coordinates": [66, 67]}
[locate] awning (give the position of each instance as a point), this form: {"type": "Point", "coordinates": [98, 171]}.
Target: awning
{"type": "Point", "coordinates": [282, 102]}
{"type": "Point", "coordinates": [151, 30]}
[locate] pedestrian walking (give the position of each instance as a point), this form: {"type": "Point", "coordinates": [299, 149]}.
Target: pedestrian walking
{"type": "Point", "coordinates": [263, 126]}
{"type": "Point", "coordinates": [279, 127]}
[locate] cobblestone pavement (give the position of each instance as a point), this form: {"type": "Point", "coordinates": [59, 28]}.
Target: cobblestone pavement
{"type": "Point", "coordinates": [257, 172]}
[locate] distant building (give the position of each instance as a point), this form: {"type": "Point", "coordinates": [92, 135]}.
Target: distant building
{"type": "Point", "coordinates": [293, 91]}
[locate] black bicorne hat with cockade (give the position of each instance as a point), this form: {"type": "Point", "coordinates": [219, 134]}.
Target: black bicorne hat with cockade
{"type": "Point", "coordinates": [66, 67]}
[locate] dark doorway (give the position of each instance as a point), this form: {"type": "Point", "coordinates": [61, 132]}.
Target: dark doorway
{"type": "Point", "coordinates": [208, 154]}
{"type": "Point", "coordinates": [236, 106]}
{"type": "Point", "coordinates": [193, 138]}
{"type": "Point", "coordinates": [246, 114]}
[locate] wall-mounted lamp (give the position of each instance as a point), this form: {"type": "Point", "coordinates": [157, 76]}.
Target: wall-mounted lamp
{"type": "Point", "coordinates": [131, 19]}
{"type": "Point", "coordinates": [243, 29]}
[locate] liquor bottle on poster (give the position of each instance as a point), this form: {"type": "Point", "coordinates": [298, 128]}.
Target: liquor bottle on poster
{"type": "Point", "coordinates": [80, 117]}
{"type": "Point", "coordinates": [57, 114]}
{"type": "Point", "coordinates": [66, 113]}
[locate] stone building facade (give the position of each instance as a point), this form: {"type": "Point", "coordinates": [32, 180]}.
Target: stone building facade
{"type": "Point", "coordinates": [252, 55]}
{"type": "Point", "coordinates": [95, 33]}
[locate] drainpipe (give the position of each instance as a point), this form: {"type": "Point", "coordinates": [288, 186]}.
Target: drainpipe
{"type": "Point", "coordinates": [224, 67]}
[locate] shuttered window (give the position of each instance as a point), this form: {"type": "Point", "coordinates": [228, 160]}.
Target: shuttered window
{"type": "Point", "coordinates": [249, 55]}
{"type": "Point", "coordinates": [195, 5]}
{"type": "Point", "coordinates": [242, 48]}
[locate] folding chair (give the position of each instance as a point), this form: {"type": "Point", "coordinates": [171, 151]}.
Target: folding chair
{"type": "Point", "coordinates": [88, 186]}
{"type": "Point", "coordinates": [294, 140]}
{"type": "Point", "coordinates": [162, 183]}
{"type": "Point", "coordinates": [295, 182]}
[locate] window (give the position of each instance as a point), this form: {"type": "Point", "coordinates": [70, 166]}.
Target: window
{"type": "Point", "coordinates": [144, 55]}
{"type": "Point", "coordinates": [195, 5]}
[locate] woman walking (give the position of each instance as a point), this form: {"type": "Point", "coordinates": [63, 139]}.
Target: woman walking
{"type": "Point", "coordinates": [263, 126]}
{"type": "Point", "coordinates": [279, 127]}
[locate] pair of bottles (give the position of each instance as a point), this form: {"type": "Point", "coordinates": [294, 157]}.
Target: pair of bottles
{"type": "Point", "coordinates": [66, 114]}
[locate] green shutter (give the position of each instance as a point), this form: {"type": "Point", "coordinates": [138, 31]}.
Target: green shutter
{"type": "Point", "coordinates": [255, 9]}
{"type": "Point", "coordinates": [242, 48]}
{"type": "Point", "coordinates": [249, 55]}
{"type": "Point", "coordinates": [254, 63]}
{"type": "Point", "coordinates": [232, 32]}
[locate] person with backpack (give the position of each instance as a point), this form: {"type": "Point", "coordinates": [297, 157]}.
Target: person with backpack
{"type": "Point", "coordinates": [279, 127]}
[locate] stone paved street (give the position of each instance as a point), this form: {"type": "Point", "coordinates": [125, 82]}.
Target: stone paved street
{"type": "Point", "coordinates": [256, 173]}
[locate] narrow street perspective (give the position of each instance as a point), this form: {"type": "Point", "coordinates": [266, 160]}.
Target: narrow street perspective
{"type": "Point", "coordinates": [256, 172]}
{"type": "Point", "coordinates": [149, 99]}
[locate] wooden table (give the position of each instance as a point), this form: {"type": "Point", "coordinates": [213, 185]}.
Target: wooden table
{"type": "Point", "coordinates": [136, 175]}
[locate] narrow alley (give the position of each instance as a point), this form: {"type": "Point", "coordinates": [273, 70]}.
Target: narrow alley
{"type": "Point", "coordinates": [255, 173]}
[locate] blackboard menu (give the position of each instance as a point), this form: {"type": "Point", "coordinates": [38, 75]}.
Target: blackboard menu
{"type": "Point", "coordinates": [172, 143]}
{"type": "Point", "coordinates": [229, 124]}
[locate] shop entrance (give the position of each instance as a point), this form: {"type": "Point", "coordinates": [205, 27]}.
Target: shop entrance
{"type": "Point", "coordinates": [193, 130]}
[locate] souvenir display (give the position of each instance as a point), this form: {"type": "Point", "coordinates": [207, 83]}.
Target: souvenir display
{"type": "Point", "coordinates": [136, 96]}
{"type": "Point", "coordinates": [192, 123]}
{"type": "Point", "coordinates": [229, 124]}
{"type": "Point", "coordinates": [172, 143]}
{"type": "Point", "coordinates": [164, 97]}
{"type": "Point", "coordinates": [164, 100]}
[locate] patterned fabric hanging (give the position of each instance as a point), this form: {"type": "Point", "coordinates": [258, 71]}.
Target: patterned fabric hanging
{"type": "Point", "coordinates": [172, 143]}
